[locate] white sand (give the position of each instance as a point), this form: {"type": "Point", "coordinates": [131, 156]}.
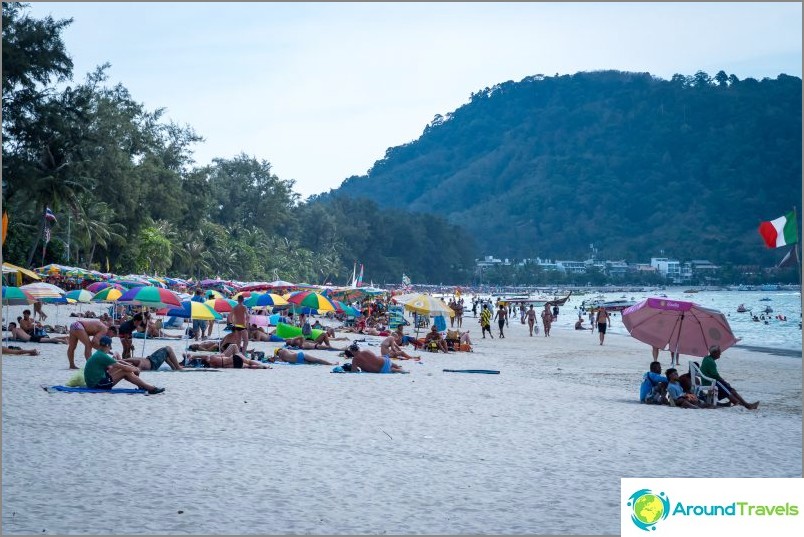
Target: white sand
{"type": "Point", "coordinates": [538, 449]}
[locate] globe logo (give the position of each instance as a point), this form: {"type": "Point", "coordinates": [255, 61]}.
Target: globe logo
{"type": "Point", "coordinates": [648, 508]}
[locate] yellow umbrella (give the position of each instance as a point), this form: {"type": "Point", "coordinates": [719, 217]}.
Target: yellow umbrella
{"type": "Point", "coordinates": [425, 304]}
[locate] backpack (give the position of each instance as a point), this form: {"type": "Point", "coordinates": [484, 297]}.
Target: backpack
{"type": "Point", "coordinates": [307, 329]}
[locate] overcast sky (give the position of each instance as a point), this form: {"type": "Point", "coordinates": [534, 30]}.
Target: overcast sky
{"type": "Point", "coordinates": [322, 90]}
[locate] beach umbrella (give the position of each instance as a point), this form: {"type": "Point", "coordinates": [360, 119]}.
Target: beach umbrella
{"type": "Point", "coordinates": [221, 305]}
{"type": "Point", "coordinates": [109, 294]}
{"type": "Point", "coordinates": [425, 304]}
{"type": "Point", "coordinates": [309, 299]}
{"type": "Point", "coordinates": [194, 310]}
{"type": "Point", "coordinates": [683, 327]}
{"type": "Point", "coordinates": [261, 300]}
{"type": "Point", "coordinates": [100, 286]}
{"type": "Point", "coordinates": [347, 309]}
{"type": "Point", "coordinates": [42, 290]}
{"type": "Point", "coordinates": [80, 295]}
{"type": "Point", "coordinates": [16, 296]}
{"type": "Point", "coordinates": [152, 297]}
{"type": "Point", "coordinates": [212, 293]}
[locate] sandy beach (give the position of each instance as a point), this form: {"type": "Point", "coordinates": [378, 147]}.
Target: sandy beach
{"type": "Point", "coordinates": [538, 449]}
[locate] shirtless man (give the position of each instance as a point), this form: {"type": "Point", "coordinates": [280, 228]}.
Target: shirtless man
{"type": "Point", "coordinates": [299, 342]}
{"type": "Point", "coordinates": [18, 351]}
{"type": "Point", "coordinates": [21, 335]}
{"type": "Point", "coordinates": [239, 319]}
{"type": "Point", "coordinates": [390, 347]}
{"type": "Point", "coordinates": [230, 358]}
{"type": "Point", "coordinates": [602, 322]}
{"type": "Point", "coordinates": [26, 322]}
{"type": "Point", "coordinates": [531, 315]}
{"type": "Point", "coordinates": [367, 362]}
{"type": "Point", "coordinates": [502, 318]}
{"type": "Point", "coordinates": [297, 357]}
{"type": "Point", "coordinates": [82, 330]}
{"type": "Point", "coordinates": [435, 335]}
{"type": "Point", "coordinates": [547, 319]}
{"type": "Point", "coordinates": [155, 360]}
{"type": "Point", "coordinates": [258, 333]}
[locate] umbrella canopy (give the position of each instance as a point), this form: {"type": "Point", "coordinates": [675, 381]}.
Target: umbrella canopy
{"type": "Point", "coordinates": [152, 297]}
{"type": "Point", "coordinates": [258, 300]}
{"type": "Point", "coordinates": [212, 293]}
{"type": "Point", "coordinates": [347, 309]}
{"type": "Point", "coordinates": [682, 327]}
{"type": "Point", "coordinates": [309, 299]}
{"type": "Point", "coordinates": [80, 295]}
{"type": "Point", "coordinates": [194, 310]}
{"type": "Point", "coordinates": [130, 282]}
{"type": "Point", "coordinates": [40, 290]}
{"type": "Point", "coordinates": [8, 267]}
{"type": "Point", "coordinates": [15, 296]}
{"type": "Point", "coordinates": [221, 305]}
{"type": "Point", "coordinates": [425, 304]}
{"type": "Point", "coordinates": [109, 294]}
{"type": "Point", "coordinates": [100, 286]}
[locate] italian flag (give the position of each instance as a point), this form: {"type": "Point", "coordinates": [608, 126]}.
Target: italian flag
{"type": "Point", "coordinates": [780, 232]}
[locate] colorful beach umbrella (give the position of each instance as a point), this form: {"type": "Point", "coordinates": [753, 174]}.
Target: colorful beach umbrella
{"type": "Point", "coordinates": [221, 305]}
{"type": "Point", "coordinates": [347, 309]}
{"type": "Point", "coordinates": [261, 300]}
{"type": "Point", "coordinates": [15, 296]}
{"type": "Point", "coordinates": [194, 310]}
{"type": "Point", "coordinates": [152, 297]}
{"type": "Point", "coordinates": [312, 300]}
{"type": "Point", "coordinates": [425, 304]}
{"type": "Point", "coordinates": [212, 293]}
{"type": "Point", "coordinates": [80, 295]}
{"type": "Point", "coordinates": [42, 290]}
{"type": "Point", "coordinates": [99, 286]}
{"type": "Point", "coordinates": [110, 294]}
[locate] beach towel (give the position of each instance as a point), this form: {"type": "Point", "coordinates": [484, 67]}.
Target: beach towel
{"type": "Point", "coordinates": [481, 371]}
{"type": "Point", "coordinates": [54, 389]}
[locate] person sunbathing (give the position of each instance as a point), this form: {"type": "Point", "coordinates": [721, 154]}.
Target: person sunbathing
{"type": "Point", "coordinates": [299, 342]}
{"type": "Point", "coordinates": [297, 357]}
{"type": "Point", "coordinates": [18, 334]}
{"type": "Point", "coordinates": [390, 347]}
{"type": "Point", "coordinates": [19, 351]}
{"type": "Point", "coordinates": [366, 361]}
{"type": "Point", "coordinates": [155, 331]}
{"type": "Point", "coordinates": [230, 358]}
{"type": "Point", "coordinates": [258, 333]}
{"type": "Point", "coordinates": [208, 346]}
{"type": "Point", "coordinates": [155, 360]}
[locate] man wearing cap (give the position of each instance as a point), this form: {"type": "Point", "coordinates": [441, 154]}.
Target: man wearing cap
{"type": "Point", "coordinates": [102, 371]}
{"type": "Point", "coordinates": [725, 391]}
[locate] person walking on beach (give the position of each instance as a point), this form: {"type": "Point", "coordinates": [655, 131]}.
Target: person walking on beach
{"type": "Point", "coordinates": [239, 318]}
{"type": "Point", "coordinates": [102, 371]}
{"type": "Point", "coordinates": [81, 330]}
{"type": "Point", "coordinates": [547, 319]}
{"type": "Point", "coordinates": [485, 321]}
{"type": "Point", "coordinates": [501, 316]}
{"type": "Point", "coordinates": [602, 322]}
{"type": "Point", "coordinates": [531, 315]}
{"type": "Point", "coordinates": [725, 391]}
{"type": "Point", "coordinates": [39, 311]}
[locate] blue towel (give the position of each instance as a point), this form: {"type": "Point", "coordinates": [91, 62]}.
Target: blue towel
{"type": "Point", "coordinates": [92, 390]}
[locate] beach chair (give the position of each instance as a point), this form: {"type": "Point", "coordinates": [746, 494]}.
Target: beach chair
{"type": "Point", "coordinates": [702, 391]}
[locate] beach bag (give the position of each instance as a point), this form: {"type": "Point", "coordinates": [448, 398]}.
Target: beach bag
{"type": "Point", "coordinates": [307, 329]}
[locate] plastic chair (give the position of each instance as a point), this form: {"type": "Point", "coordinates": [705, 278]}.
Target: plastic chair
{"type": "Point", "coordinates": [701, 390]}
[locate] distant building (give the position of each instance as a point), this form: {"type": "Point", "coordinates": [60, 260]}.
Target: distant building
{"type": "Point", "coordinates": [669, 268]}
{"type": "Point", "coordinates": [571, 267]}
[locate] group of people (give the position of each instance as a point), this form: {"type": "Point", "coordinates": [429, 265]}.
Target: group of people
{"type": "Point", "coordinates": [676, 389]}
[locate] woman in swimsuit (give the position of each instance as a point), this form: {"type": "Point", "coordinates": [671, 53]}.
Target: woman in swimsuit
{"type": "Point", "coordinates": [231, 357]}
{"type": "Point", "coordinates": [297, 357]}
{"type": "Point", "coordinates": [81, 330]}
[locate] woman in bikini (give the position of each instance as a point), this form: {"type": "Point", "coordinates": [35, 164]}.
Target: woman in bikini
{"type": "Point", "coordinates": [82, 330]}
{"type": "Point", "coordinates": [297, 357]}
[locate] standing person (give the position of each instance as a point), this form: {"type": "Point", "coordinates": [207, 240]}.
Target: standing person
{"type": "Point", "coordinates": [81, 330]}
{"type": "Point", "coordinates": [547, 319]}
{"type": "Point", "coordinates": [592, 320]}
{"type": "Point", "coordinates": [126, 333]}
{"type": "Point", "coordinates": [39, 311]}
{"type": "Point", "coordinates": [725, 391]}
{"type": "Point", "coordinates": [199, 326]}
{"type": "Point", "coordinates": [474, 308]}
{"type": "Point", "coordinates": [239, 318]}
{"type": "Point", "coordinates": [522, 313]}
{"type": "Point", "coordinates": [485, 321]}
{"type": "Point", "coordinates": [501, 316]}
{"type": "Point", "coordinates": [602, 322]}
{"type": "Point", "coordinates": [459, 313]}
{"type": "Point", "coordinates": [102, 371]}
{"type": "Point", "coordinates": [555, 312]}
{"type": "Point", "coordinates": [531, 319]}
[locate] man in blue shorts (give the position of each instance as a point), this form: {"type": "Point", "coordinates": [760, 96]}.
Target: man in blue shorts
{"type": "Point", "coordinates": [366, 361]}
{"type": "Point", "coordinates": [156, 359]}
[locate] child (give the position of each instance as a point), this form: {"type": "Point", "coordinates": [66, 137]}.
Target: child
{"type": "Point", "coordinates": [652, 391]}
{"type": "Point", "coordinates": [677, 394]}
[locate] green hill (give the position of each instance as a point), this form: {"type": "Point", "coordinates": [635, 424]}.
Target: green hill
{"type": "Point", "coordinates": [630, 162]}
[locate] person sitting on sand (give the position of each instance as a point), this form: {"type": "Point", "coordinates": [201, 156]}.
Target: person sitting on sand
{"type": "Point", "coordinates": [332, 336]}
{"type": "Point", "coordinates": [155, 331]}
{"type": "Point", "coordinates": [155, 360]}
{"type": "Point", "coordinates": [18, 351]}
{"type": "Point", "coordinates": [103, 372]}
{"type": "Point", "coordinates": [725, 391]}
{"type": "Point", "coordinates": [81, 330]}
{"type": "Point", "coordinates": [366, 361]}
{"type": "Point", "coordinates": [317, 325]}
{"type": "Point", "coordinates": [579, 325]}
{"type": "Point", "coordinates": [434, 336]}
{"type": "Point", "coordinates": [402, 339]}
{"type": "Point", "coordinates": [18, 334]}
{"type": "Point", "coordinates": [297, 357]}
{"type": "Point", "coordinates": [653, 389]}
{"type": "Point", "coordinates": [26, 322]}
{"type": "Point", "coordinates": [390, 347]}
{"type": "Point", "coordinates": [676, 393]}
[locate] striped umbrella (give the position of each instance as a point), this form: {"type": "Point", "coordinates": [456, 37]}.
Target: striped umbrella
{"type": "Point", "coordinates": [15, 296]}
{"type": "Point", "coordinates": [259, 300]}
{"type": "Point", "coordinates": [221, 305]}
{"type": "Point", "coordinates": [194, 310]}
{"type": "Point", "coordinates": [152, 297]}
{"type": "Point", "coordinates": [42, 290]}
{"type": "Point", "coordinates": [212, 293]}
{"type": "Point", "coordinates": [110, 294]}
{"type": "Point", "coordinates": [80, 295]}
{"type": "Point", "coordinates": [99, 286]}
{"type": "Point", "coordinates": [311, 300]}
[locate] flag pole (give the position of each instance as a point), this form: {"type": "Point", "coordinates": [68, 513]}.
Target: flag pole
{"type": "Point", "coordinates": [798, 256]}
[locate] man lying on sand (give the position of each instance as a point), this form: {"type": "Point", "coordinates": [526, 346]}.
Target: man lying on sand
{"type": "Point", "coordinates": [231, 357]}
{"type": "Point", "coordinates": [299, 342]}
{"type": "Point", "coordinates": [367, 362]}
{"type": "Point", "coordinates": [297, 357]}
{"type": "Point", "coordinates": [18, 351]}
{"type": "Point", "coordinates": [18, 334]}
{"type": "Point", "coordinates": [155, 360]}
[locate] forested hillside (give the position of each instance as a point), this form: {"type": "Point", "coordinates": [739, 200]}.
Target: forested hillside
{"type": "Point", "coordinates": [627, 161]}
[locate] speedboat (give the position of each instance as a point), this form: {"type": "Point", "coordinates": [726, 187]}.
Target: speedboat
{"type": "Point", "coordinates": [741, 308]}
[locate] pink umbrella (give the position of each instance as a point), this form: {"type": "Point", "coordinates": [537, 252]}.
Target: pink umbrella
{"type": "Point", "coordinates": [683, 327]}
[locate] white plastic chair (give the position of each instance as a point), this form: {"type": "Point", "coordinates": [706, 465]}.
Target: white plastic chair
{"type": "Point", "coordinates": [700, 390]}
